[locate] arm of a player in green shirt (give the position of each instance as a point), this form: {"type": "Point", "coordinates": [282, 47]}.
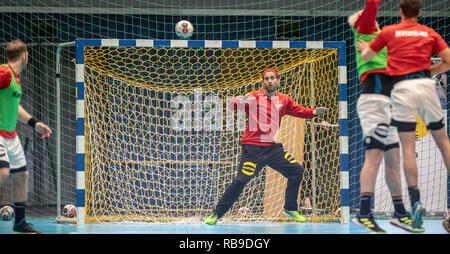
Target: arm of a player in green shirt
{"type": "Point", "coordinates": [24, 117]}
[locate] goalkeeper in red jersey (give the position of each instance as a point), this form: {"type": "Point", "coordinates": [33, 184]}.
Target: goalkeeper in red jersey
{"type": "Point", "coordinates": [12, 157]}
{"type": "Point", "coordinates": [264, 109]}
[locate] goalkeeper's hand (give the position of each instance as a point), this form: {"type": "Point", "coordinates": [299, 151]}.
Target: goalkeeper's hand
{"type": "Point", "coordinates": [320, 110]}
{"type": "Point", "coordinates": [246, 98]}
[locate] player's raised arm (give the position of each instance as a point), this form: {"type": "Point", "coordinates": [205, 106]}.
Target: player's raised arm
{"type": "Point", "coordinates": [366, 23]}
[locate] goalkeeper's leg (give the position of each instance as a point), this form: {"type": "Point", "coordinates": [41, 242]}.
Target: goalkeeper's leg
{"type": "Point", "coordinates": [252, 161]}
{"type": "Point", "coordinates": [230, 196]}
{"type": "Point", "coordinates": [288, 166]}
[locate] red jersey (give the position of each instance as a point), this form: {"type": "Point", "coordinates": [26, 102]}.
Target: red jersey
{"type": "Point", "coordinates": [367, 24]}
{"type": "Point", "coordinates": [410, 46]}
{"type": "Point", "coordinates": [5, 76]}
{"type": "Point", "coordinates": [264, 115]}
{"type": "Point", "coordinates": [5, 81]}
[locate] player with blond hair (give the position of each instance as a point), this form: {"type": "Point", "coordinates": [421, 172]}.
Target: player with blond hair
{"type": "Point", "coordinates": [12, 157]}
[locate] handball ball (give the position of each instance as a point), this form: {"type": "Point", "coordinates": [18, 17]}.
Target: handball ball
{"type": "Point", "coordinates": [69, 211]}
{"type": "Point", "coordinates": [7, 213]}
{"type": "Point", "coordinates": [184, 29]}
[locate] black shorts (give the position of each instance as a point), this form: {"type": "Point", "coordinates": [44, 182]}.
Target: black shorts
{"type": "Point", "coordinates": [377, 83]}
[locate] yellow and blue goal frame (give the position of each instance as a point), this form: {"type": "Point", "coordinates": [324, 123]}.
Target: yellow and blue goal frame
{"type": "Point", "coordinates": [80, 106]}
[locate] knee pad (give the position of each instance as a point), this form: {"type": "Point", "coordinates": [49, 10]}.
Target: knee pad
{"type": "Point", "coordinates": [373, 143]}
{"type": "Point", "coordinates": [381, 131]}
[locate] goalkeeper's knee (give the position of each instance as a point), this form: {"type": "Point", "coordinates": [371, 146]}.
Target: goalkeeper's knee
{"type": "Point", "coordinates": [297, 172]}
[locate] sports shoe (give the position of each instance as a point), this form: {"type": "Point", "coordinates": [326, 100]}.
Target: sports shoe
{"type": "Point", "coordinates": [24, 228]}
{"type": "Point", "coordinates": [402, 221]}
{"type": "Point", "coordinates": [294, 215]}
{"type": "Point", "coordinates": [446, 222]}
{"type": "Point", "coordinates": [418, 211]}
{"type": "Point", "coordinates": [212, 219]}
{"type": "Point", "coordinates": [368, 223]}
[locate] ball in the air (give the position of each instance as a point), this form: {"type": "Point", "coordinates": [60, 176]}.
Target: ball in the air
{"type": "Point", "coordinates": [184, 29]}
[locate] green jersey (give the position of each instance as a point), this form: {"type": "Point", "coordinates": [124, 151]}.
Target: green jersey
{"type": "Point", "coordinates": [9, 103]}
{"type": "Point", "coordinates": [379, 61]}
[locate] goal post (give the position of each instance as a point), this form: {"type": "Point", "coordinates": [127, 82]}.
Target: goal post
{"type": "Point", "coordinates": [156, 143]}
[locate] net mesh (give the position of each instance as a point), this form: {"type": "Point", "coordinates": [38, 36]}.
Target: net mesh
{"type": "Point", "coordinates": [44, 24]}
{"type": "Point", "coordinates": [163, 146]}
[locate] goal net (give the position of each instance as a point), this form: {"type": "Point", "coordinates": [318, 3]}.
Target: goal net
{"type": "Point", "coordinates": [160, 144]}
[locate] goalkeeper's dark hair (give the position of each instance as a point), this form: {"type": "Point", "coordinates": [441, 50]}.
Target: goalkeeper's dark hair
{"type": "Point", "coordinates": [411, 8]}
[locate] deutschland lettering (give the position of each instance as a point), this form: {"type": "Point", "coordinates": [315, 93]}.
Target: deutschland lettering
{"type": "Point", "coordinates": [413, 33]}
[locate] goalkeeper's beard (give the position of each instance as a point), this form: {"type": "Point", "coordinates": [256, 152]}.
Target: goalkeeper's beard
{"type": "Point", "coordinates": [271, 89]}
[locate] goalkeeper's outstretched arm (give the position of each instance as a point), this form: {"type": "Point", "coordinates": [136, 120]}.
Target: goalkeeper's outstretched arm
{"type": "Point", "coordinates": [239, 102]}
{"type": "Point", "coordinates": [296, 110]}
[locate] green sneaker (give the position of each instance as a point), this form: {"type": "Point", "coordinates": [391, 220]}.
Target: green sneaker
{"type": "Point", "coordinates": [294, 215]}
{"type": "Point", "coordinates": [418, 211]}
{"type": "Point", "coordinates": [212, 219]}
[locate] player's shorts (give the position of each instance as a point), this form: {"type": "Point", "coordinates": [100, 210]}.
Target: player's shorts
{"type": "Point", "coordinates": [375, 115]}
{"type": "Point", "coordinates": [413, 97]}
{"type": "Point", "coordinates": [374, 112]}
{"type": "Point", "coordinates": [12, 155]}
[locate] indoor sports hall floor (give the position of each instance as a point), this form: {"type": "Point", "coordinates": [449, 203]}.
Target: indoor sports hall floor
{"type": "Point", "coordinates": [47, 226]}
